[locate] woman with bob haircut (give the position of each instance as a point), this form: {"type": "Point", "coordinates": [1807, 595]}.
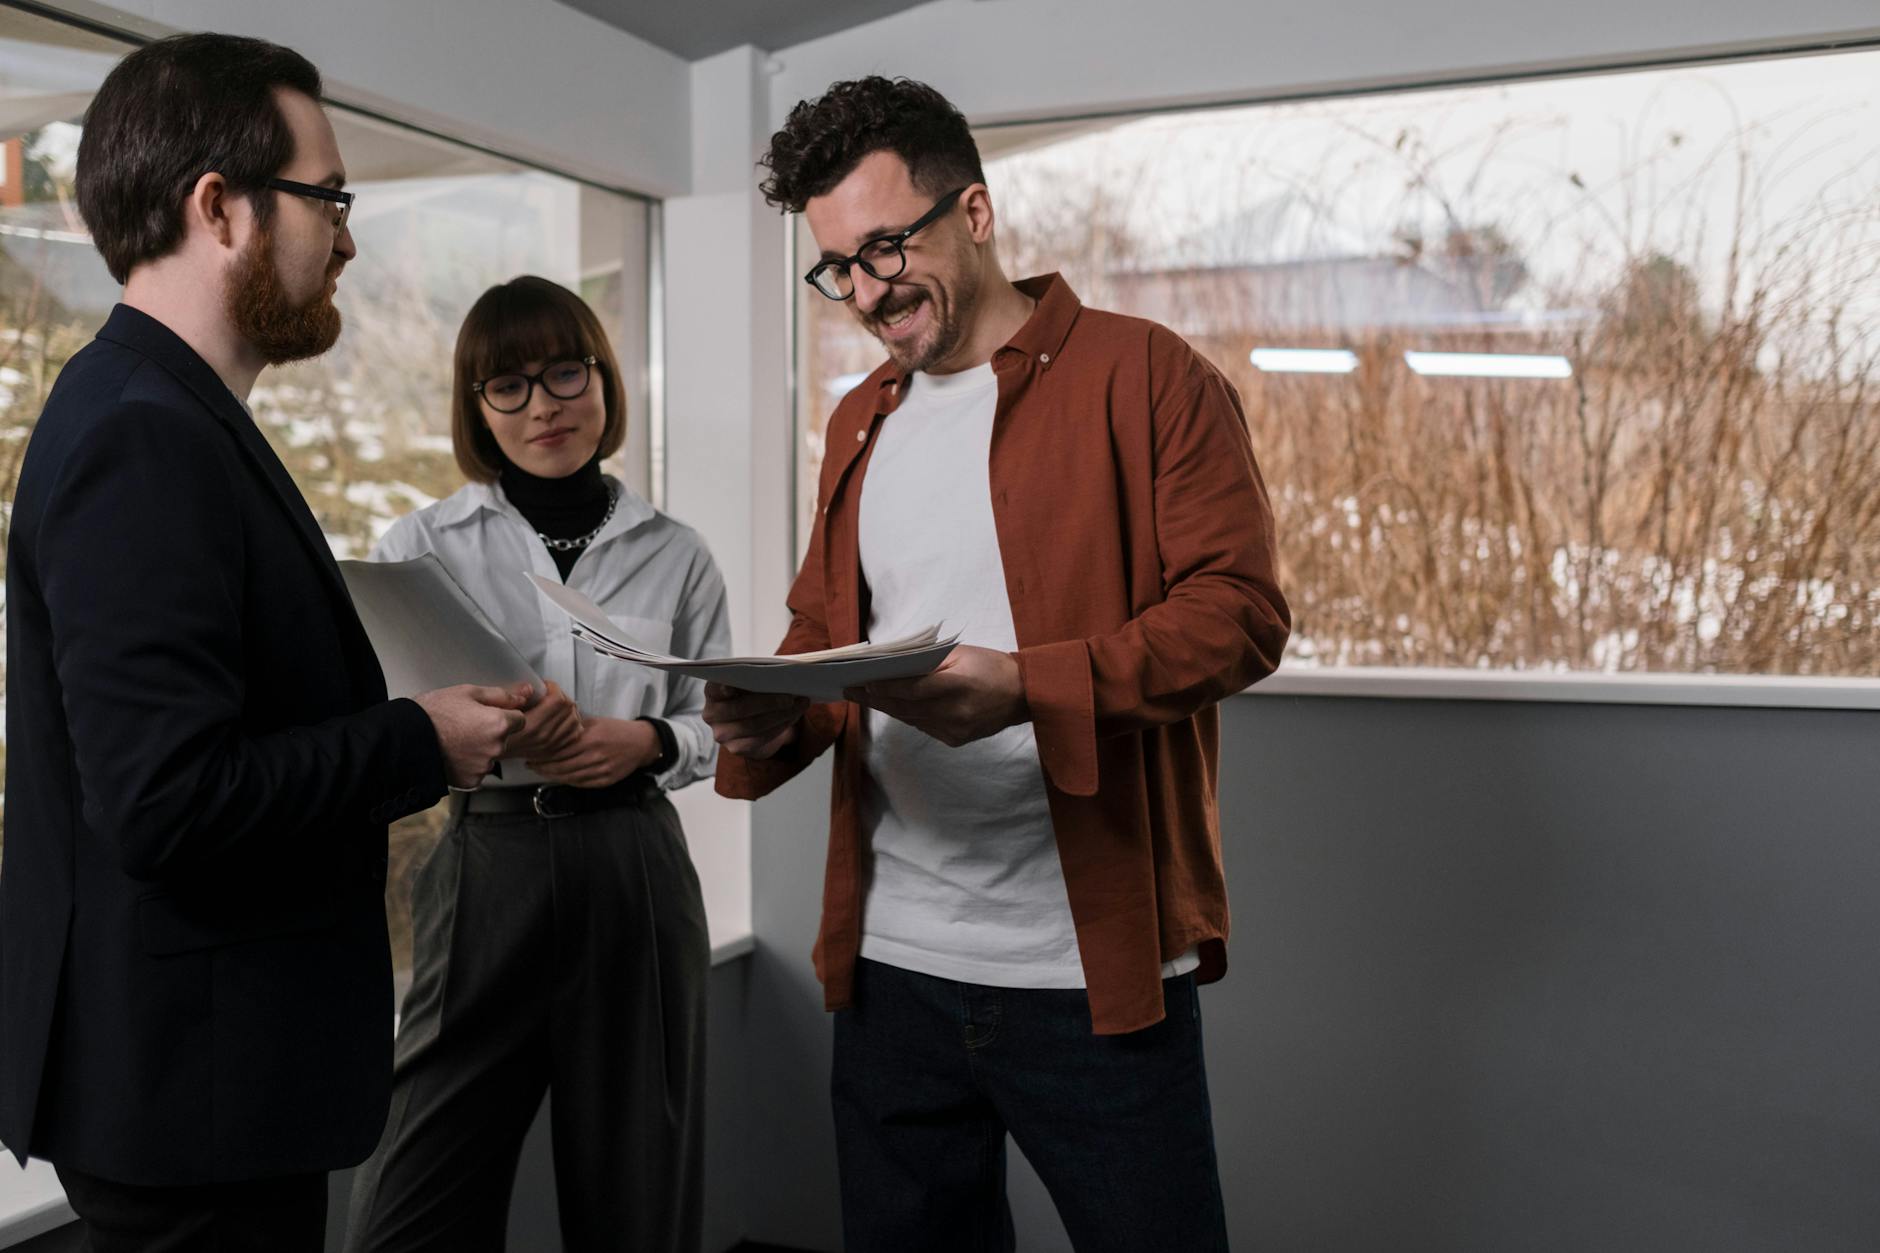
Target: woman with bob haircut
{"type": "Point", "coordinates": [559, 935]}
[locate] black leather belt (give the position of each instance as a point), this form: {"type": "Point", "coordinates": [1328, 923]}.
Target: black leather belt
{"type": "Point", "coordinates": [556, 800]}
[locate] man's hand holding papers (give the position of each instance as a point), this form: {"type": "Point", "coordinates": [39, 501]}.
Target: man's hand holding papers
{"type": "Point", "coordinates": [473, 725]}
{"type": "Point", "coordinates": [758, 725]}
{"type": "Point", "coordinates": [974, 693]}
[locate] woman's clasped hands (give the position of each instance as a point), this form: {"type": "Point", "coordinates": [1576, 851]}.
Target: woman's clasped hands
{"type": "Point", "coordinates": [563, 747]}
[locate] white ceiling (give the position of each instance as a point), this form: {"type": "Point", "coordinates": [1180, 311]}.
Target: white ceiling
{"type": "Point", "coordinates": [703, 28]}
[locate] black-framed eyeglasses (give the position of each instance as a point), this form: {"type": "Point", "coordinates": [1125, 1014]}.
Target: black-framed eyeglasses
{"type": "Point", "coordinates": [883, 256]}
{"type": "Point", "coordinates": [313, 191]}
{"type": "Point", "coordinates": [511, 391]}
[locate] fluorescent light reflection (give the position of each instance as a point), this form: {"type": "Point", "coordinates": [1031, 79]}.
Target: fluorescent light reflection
{"type": "Point", "coordinates": [1304, 360]}
{"type": "Point", "coordinates": [1488, 365]}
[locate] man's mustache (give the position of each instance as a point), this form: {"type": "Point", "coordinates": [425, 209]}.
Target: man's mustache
{"type": "Point", "coordinates": [893, 307]}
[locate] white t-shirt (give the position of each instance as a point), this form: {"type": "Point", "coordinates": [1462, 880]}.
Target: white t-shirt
{"type": "Point", "coordinates": [967, 884]}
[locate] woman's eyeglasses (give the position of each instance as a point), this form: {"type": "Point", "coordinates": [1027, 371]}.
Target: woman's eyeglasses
{"type": "Point", "coordinates": [511, 392]}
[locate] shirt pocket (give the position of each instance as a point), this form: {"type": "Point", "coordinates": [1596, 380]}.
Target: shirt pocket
{"type": "Point", "coordinates": [652, 634]}
{"type": "Point", "coordinates": [611, 688]}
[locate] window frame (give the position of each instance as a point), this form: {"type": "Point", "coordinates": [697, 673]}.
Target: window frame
{"type": "Point", "coordinates": [31, 1200]}
{"type": "Point", "coordinates": [1408, 682]}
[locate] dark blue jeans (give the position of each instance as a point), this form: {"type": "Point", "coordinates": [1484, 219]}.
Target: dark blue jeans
{"type": "Point", "coordinates": [930, 1076]}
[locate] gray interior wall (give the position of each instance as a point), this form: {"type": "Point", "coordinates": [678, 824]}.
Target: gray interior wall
{"type": "Point", "coordinates": [1504, 976]}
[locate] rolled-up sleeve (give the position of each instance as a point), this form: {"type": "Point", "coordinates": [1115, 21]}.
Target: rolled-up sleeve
{"type": "Point", "coordinates": [1222, 623]}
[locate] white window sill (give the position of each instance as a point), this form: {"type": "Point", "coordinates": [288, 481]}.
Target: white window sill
{"type": "Point", "coordinates": [31, 1202]}
{"type": "Point", "coordinates": [1742, 691]}
{"type": "Point", "coordinates": [732, 947]}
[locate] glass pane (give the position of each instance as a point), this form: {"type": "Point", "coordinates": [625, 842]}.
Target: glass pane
{"type": "Point", "coordinates": [364, 430]}
{"type": "Point", "coordinates": [1572, 375]}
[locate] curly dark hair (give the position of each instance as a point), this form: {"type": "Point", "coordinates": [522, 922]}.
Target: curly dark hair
{"type": "Point", "coordinates": [823, 140]}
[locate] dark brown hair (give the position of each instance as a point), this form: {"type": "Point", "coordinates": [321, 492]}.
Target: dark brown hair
{"type": "Point", "coordinates": [171, 112]}
{"type": "Point", "coordinates": [512, 324]}
{"type": "Point", "coordinates": [823, 140]}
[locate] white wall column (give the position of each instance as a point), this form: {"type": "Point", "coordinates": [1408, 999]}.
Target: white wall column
{"type": "Point", "coordinates": [728, 461]}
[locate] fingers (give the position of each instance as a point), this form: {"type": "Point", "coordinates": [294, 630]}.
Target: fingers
{"type": "Point", "coordinates": [500, 697]}
{"type": "Point", "coordinates": [743, 722]}
{"type": "Point", "coordinates": [758, 746]}
{"type": "Point", "coordinates": [733, 705]}
{"type": "Point", "coordinates": [899, 689]}
{"type": "Point", "coordinates": [544, 742]}
{"type": "Point", "coordinates": [752, 730]}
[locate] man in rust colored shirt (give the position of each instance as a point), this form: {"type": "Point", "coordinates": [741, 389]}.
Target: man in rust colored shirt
{"type": "Point", "coordinates": [1024, 882]}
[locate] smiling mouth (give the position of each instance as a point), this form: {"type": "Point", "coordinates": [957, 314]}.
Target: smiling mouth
{"type": "Point", "coordinates": [900, 318]}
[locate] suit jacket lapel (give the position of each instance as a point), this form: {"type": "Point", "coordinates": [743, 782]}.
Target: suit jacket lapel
{"type": "Point", "coordinates": [143, 333]}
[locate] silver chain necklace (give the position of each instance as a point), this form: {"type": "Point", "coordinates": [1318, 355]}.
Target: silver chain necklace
{"type": "Point", "coordinates": [582, 541]}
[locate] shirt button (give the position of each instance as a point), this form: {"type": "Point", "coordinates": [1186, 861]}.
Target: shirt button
{"type": "Point", "coordinates": [861, 436]}
{"type": "Point", "coordinates": [1044, 358]}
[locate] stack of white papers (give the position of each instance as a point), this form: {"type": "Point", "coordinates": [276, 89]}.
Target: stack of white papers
{"type": "Point", "coordinates": [819, 675]}
{"type": "Point", "coordinates": [427, 631]}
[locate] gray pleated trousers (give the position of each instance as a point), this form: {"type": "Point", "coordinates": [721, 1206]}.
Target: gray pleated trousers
{"type": "Point", "coordinates": [566, 955]}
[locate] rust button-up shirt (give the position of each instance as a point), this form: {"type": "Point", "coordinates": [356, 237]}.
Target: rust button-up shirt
{"type": "Point", "coordinates": [1137, 541]}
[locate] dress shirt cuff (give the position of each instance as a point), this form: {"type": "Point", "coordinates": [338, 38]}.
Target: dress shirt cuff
{"type": "Point", "coordinates": [668, 747]}
{"type": "Point", "coordinates": [1058, 691]}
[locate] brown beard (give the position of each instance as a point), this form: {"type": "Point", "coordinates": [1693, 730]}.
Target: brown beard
{"type": "Point", "coordinates": [951, 319]}
{"type": "Point", "coordinates": [263, 315]}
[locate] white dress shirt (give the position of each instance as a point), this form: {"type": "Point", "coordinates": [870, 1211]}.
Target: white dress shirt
{"type": "Point", "coordinates": [653, 576]}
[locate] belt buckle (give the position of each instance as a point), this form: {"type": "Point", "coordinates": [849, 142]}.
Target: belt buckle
{"type": "Point", "coordinates": [542, 811]}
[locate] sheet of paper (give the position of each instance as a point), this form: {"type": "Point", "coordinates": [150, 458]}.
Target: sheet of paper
{"type": "Point", "coordinates": [820, 675]}
{"type": "Point", "coordinates": [427, 632]}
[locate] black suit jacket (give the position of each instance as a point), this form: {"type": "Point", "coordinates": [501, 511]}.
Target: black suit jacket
{"type": "Point", "coordinates": [195, 983]}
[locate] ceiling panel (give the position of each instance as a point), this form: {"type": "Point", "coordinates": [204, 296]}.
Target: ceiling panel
{"type": "Point", "coordinates": [706, 27]}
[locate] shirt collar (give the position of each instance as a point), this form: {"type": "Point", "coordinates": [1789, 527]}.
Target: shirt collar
{"type": "Point", "coordinates": [1043, 335]}
{"type": "Point", "coordinates": [1039, 340]}
{"type": "Point", "coordinates": [473, 498]}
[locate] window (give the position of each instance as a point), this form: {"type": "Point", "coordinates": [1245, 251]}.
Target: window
{"type": "Point", "coordinates": [1580, 374]}
{"type": "Point", "coordinates": [364, 430]}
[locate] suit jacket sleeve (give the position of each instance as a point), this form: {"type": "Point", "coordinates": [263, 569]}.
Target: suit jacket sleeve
{"type": "Point", "coordinates": [140, 554]}
{"type": "Point", "coordinates": [1222, 622]}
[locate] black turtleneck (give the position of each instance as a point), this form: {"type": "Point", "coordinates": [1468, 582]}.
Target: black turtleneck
{"type": "Point", "coordinates": [566, 508]}
{"type": "Point", "coordinates": [563, 508]}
